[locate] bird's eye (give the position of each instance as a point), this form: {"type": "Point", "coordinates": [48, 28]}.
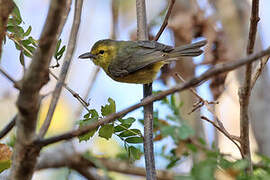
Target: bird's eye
{"type": "Point", "coordinates": [101, 52]}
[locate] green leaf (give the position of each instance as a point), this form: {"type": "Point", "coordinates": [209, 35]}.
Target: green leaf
{"type": "Point", "coordinates": [22, 58]}
{"type": "Point", "coordinates": [192, 147]}
{"type": "Point", "coordinates": [185, 131]}
{"type": "Point", "coordinates": [168, 130]}
{"type": "Point", "coordinates": [172, 163]}
{"type": "Point", "coordinates": [60, 53]}
{"type": "Point", "coordinates": [134, 153]}
{"type": "Point", "coordinates": [121, 127]}
{"type": "Point", "coordinates": [240, 165]}
{"type": "Point", "coordinates": [29, 48]}
{"type": "Point", "coordinates": [26, 42]}
{"type": "Point", "coordinates": [129, 120]}
{"type": "Point", "coordinates": [134, 140]}
{"type": "Point", "coordinates": [87, 136]}
{"type": "Point", "coordinates": [33, 41]}
{"type": "Point", "coordinates": [28, 31]}
{"type": "Point", "coordinates": [108, 108]}
{"type": "Point", "coordinates": [17, 15]}
{"type": "Point", "coordinates": [92, 116]}
{"type": "Point", "coordinates": [57, 46]}
{"type": "Point", "coordinates": [106, 131]}
{"type": "Point", "coordinates": [204, 170]}
{"type": "Point", "coordinates": [130, 132]}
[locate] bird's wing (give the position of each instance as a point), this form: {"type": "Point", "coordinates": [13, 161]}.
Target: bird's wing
{"type": "Point", "coordinates": [143, 54]}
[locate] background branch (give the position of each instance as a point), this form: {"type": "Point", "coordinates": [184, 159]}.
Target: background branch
{"type": "Point", "coordinates": [61, 158]}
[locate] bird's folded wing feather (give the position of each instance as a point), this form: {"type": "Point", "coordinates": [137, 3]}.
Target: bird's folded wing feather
{"type": "Point", "coordinates": [145, 54]}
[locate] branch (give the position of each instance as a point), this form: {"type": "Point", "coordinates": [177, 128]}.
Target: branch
{"type": "Point", "coordinates": [8, 127]}
{"type": "Point", "coordinates": [15, 83]}
{"type": "Point", "coordinates": [258, 71]}
{"type": "Point", "coordinates": [142, 34]}
{"type": "Point", "coordinates": [65, 67]}
{"type": "Point", "coordinates": [6, 7]}
{"type": "Point", "coordinates": [165, 22]}
{"type": "Point", "coordinates": [78, 162]}
{"type": "Point", "coordinates": [244, 91]}
{"type": "Point", "coordinates": [24, 157]}
{"type": "Point", "coordinates": [223, 132]}
{"type": "Point", "coordinates": [218, 69]}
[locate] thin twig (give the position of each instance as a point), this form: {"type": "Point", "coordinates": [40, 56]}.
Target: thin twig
{"type": "Point", "coordinates": [219, 126]}
{"type": "Point", "coordinates": [142, 34]}
{"type": "Point", "coordinates": [65, 67]}
{"type": "Point", "coordinates": [223, 132]}
{"type": "Point", "coordinates": [76, 95]}
{"type": "Point", "coordinates": [258, 70]}
{"type": "Point", "coordinates": [15, 83]}
{"type": "Point", "coordinates": [218, 69]}
{"type": "Point", "coordinates": [8, 127]}
{"type": "Point", "coordinates": [245, 90]}
{"type": "Point", "coordinates": [165, 22]}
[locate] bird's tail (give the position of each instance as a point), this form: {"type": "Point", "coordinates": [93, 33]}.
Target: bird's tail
{"type": "Point", "coordinates": [189, 50]}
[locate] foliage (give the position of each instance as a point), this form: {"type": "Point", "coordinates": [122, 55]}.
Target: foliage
{"type": "Point", "coordinates": [25, 43]}
{"type": "Point", "coordinates": [120, 128]}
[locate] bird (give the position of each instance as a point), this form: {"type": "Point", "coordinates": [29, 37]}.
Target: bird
{"type": "Point", "coordinates": [137, 62]}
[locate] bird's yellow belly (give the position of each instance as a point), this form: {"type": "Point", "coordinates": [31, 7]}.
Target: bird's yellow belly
{"type": "Point", "coordinates": [143, 76]}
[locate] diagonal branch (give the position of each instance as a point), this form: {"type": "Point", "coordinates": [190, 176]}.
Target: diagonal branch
{"type": "Point", "coordinates": [15, 83]}
{"type": "Point", "coordinates": [218, 69]}
{"type": "Point", "coordinates": [8, 127]}
{"type": "Point", "coordinates": [65, 67]}
{"type": "Point", "coordinates": [165, 22]}
{"type": "Point", "coordinates": [24, 157]}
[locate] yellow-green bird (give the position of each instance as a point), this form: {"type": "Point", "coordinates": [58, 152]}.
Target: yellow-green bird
{"type": "Point", "coordinates": [137, 61]}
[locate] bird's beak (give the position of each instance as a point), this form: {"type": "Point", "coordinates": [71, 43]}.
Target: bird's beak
{"type": "Point", "coordinates": [87, 55]}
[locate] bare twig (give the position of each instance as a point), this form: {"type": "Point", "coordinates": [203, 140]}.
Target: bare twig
{"type": "Point", "coordinates": [15, 83]}
{"type": "Point", "coordinates": [244, 91]}
{"type": "Point", "coordinates": [165, 22]}
{"type": "Point", "coordinates": [142, 34]}
{"type": "Point", "coordinates": [218, 69]}
{"type": "Point", "coordinates": [25, 155]}
{"type": "Point", "coordinates": [258, 71]}
{"type": "Point", "coordinates": [219, 126]}
{"type": "Point", "coordinates": [223, 132]}
{"type": "Point", "coordinates": [74, 94]}
{"type": "Point", "coordinates": [8, 127]}
{"type": "Point", "coordinates": [65, 67]}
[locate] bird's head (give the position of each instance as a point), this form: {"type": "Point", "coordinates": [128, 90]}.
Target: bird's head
{"type": "Point", "coordinates": [102, 52]}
